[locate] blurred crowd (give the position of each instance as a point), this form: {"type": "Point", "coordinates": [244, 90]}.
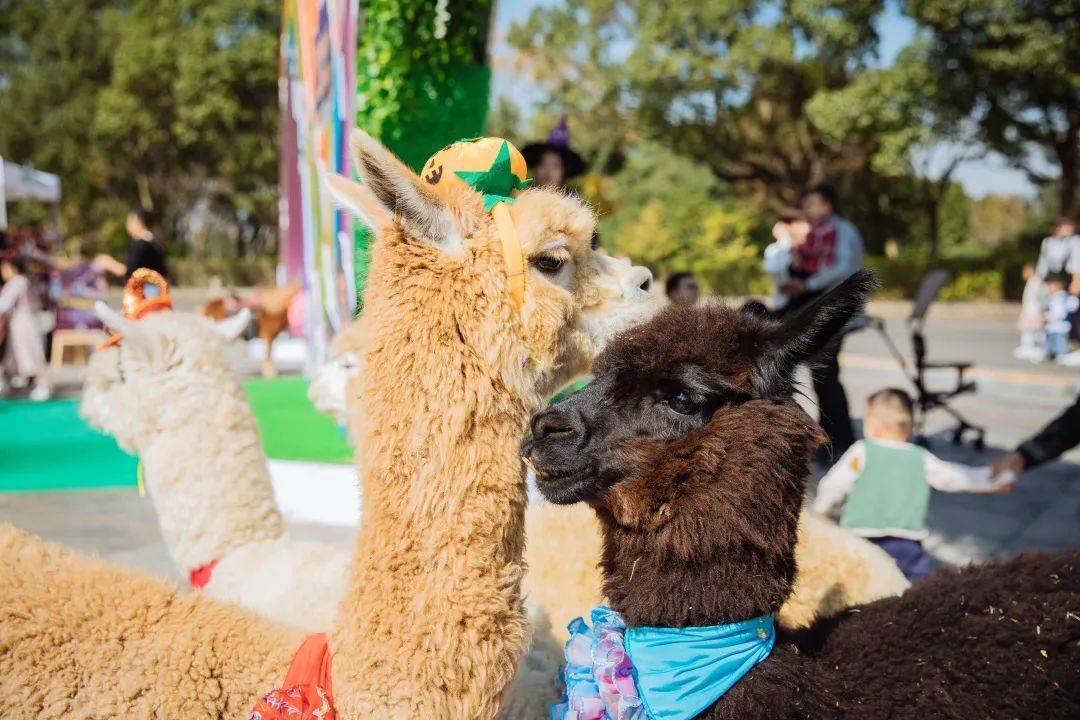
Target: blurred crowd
{"type": "Point", "coordinates": [47, 290]}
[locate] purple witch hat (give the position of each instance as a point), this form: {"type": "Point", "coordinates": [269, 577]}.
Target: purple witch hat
{"type": "Point", "coordinates": [558, 142]}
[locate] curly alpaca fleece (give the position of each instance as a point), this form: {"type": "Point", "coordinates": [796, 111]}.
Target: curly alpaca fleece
{"type": "Point", "coordinates": [432, 624]}
{"type": "Point", "coordinates": [176, 403]}
{"type": "Point", "coordinates": [836, 568]}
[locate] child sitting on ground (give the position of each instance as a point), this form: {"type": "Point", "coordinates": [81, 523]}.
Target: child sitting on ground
{"type": "Point", "coordinates": [1059, 306]}
{"type": "Point", "coordinates": [1031, 320]}
{"type": "Point", "coordinates": [884, 483]}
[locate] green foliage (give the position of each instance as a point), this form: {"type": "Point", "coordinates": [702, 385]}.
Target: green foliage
{"type": "Point", "coordinates": [232, 272]}
{"type": "Point", "coordinates": [422, 81]}
{"type": "Point", "coordinates": [1015, 65]}
{"type": "Point", "coordinates": [998, 220]}
{"type": "Point", "coordinates": [164, 104]}
{"type": "Point", "coordinates": [978, 273]}
{"type": "Point", "coordinates": [666, 215]}
{"type": "Point", "coordinates": [716, 81]}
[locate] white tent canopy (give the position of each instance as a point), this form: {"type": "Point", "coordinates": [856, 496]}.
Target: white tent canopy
{"type": "Point", "coordinates": [24, 183]}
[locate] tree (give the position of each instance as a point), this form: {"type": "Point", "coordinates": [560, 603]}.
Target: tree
{"type": "Point", "coordinates": [914, 132]}
{"type": "Point", "coordinates": [724, 82]}
{"type": "Point", "coordinates": [1014, 65]}
{"type": "Point", "coordinates": [167, 104]}
{"type": "Point", "coordinates": [666, 212]}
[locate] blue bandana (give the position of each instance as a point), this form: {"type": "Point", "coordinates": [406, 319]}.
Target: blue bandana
{"type": "Point", "coordinates": [652, 673]}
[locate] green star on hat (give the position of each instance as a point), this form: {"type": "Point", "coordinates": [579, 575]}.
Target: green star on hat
{"type": "Point", "coordinates": [497, 182]}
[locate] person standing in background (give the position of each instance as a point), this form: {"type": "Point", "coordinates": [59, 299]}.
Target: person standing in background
{"type": "Point", "coordinates": [682, 289]}
{"type": "Point", "coordinates": [24, 351]}
{"type": "Point", "coordinates": [144, 251]}
{"type": "Point", "coordinates": [831, 252]}
{"type": "Point", "coordinates": [1032, 316]}
{"type": "Point", "coordinates": [1059, 253]}
{"type": "Point", "coordinates": [553, 162]}
{"type": "Point", "coordinates": [1059, 256]}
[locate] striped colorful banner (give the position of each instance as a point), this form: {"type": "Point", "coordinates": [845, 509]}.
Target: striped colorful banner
{"type": "Point", "coordinates": [317, 96]}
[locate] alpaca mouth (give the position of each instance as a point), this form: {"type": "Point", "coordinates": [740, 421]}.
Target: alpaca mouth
{"type": "Point", "coordinates": [560, 485]}
{"type": "Point", "coordinates": [565, 489]}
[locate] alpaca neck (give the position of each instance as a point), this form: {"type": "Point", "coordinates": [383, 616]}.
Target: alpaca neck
{"type": "Point", "coordinates": [743, 580]}
{"type": "Point", "coordinates": [432, 624]}
{"type": "Point", "coordinates": [206, 474]}
{"type": "Point", "coordinates": [647, 588]}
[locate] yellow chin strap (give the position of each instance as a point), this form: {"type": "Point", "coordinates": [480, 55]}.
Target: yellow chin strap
{"type": "Point", "coordinates": [496, 169]}
{"type": "Point", "coordinates": [513, 256]}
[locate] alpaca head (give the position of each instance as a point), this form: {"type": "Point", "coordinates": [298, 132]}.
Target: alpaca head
{"type": "Point", "coordinates": [690, 447]}
{"type": "Point", "coordinates": [163, 353]}
{"type": "Point", "coordinates": [623, 292]}
{"type": "Point", "coordinates": [327, 390]}
{"type": "Point", "coordinates": [446, 245]}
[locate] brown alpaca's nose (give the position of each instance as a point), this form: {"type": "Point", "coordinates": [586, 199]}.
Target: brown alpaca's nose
{"type": "Point", "coordinates": [553, 423]}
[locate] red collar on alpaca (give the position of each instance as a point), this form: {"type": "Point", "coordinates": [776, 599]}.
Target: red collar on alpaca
{"type": "Point", "coordinates": [307, 693]}
{"type": "Point", "coordinates": [199, 577]}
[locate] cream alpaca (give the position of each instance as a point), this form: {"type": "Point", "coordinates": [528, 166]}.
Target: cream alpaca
{"type": "Point", "coordinates": [187, 418]}
{"type": "Point", "coordinates": [432, 624]}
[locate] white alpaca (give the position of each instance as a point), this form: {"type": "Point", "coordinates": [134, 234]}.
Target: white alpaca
{"type": "Point", "coordinates": [189, 421]}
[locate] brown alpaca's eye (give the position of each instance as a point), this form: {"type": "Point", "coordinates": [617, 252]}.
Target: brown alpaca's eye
{"type": "Point", "coordinates": [682, 403]}
{"type": "Point", "coordinates": [548, 264]}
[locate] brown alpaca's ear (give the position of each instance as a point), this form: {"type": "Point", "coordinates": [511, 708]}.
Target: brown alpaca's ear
{"type": "Point", "coordinates": [803, 334]}
{"type": "Point", "coordinates": [401, 194]}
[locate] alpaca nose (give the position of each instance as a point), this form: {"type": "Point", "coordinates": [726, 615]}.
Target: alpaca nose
{"type": "Point", "coordinates": [640, 280]}
{"type": "Point", "coordinates": [553, 424]}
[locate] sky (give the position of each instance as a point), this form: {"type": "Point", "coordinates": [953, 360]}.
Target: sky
{"type": "Point", "coordinates": [984, 176]}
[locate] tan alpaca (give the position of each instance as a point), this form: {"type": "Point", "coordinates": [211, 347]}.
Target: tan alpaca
{"type": "Point", "coordinates": [432, 624]}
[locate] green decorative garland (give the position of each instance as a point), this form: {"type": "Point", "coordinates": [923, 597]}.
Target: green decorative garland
{"type": "Point", "coordinates": [422, 82]}
{"type": "Point", "coordinates": [422, 78]}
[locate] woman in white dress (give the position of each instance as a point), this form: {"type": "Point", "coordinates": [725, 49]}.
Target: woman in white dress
{"type": "Point", "coordinates": [24, 351]}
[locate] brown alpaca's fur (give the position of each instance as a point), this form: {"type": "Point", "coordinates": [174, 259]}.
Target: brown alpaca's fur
{"type": "Point", "coordinates": [836, 568]}
{"type": "Point", "coordinates": [694, 457]}
{"type": "Point", "coordinates": [433, 625]}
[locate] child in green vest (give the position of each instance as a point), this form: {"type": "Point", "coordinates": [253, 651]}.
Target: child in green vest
{"type": "Point", "coordinates": [884, 482]}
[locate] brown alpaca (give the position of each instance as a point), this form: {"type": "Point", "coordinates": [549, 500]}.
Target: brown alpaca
{"type": "Point", "coordinates": [432, 625]}
{"type": "Point", "coordinates": [690, 450]}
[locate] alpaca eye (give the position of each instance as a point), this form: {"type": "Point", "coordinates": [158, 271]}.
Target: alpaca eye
{"type": "Point", "coordinates": [548, 264]}
{"type": "Point", "coordinates": [682, 403]}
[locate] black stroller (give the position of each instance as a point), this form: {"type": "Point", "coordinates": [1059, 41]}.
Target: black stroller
{"type": "Point", "coordinates": [925, 398]}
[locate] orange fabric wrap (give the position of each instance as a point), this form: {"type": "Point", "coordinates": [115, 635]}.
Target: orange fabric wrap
{"type": "Point", "coordinates": [307, 693]}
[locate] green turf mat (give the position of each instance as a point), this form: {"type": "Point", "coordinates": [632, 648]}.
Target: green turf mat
{"type": "Point", "coordinates": [291, 428]}
{"type": "Point", "coordinates": [47, 446]}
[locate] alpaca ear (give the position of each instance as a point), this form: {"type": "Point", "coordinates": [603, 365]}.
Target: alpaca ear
{"type": "Point", "coordinates": [806, 332]}
{"type": "Point", "coordinates": [401, 195]}
{"type": "Point", "coordinates": [135, 337]}
{"type": "Point", "coordinates": [231, 328]}
{"type": "Point", "coordinates": [356, 199]}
